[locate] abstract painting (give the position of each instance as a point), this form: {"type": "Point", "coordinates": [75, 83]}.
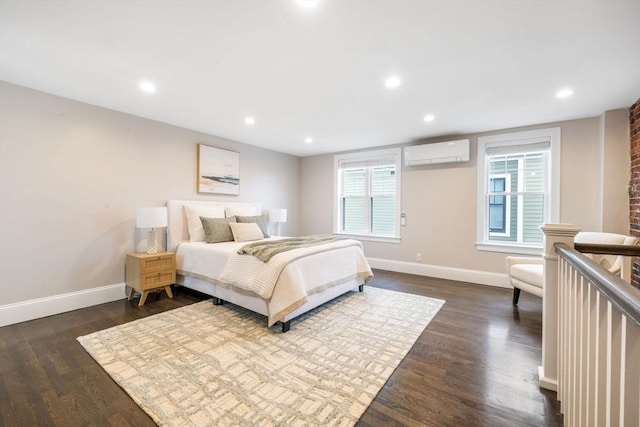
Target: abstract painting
{"type": "Point", "coordinates": [218, 170]}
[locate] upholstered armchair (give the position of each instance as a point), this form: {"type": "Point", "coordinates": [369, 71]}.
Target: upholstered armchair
{"type": "Point", "coordinates": [525, 273]}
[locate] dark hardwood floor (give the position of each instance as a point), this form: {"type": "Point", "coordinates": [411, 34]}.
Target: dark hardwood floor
{"type": "Point", "coordinates": [474, 365]}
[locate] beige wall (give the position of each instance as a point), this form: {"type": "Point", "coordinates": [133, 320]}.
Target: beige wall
{"type": "Point", "coordinates": [440, 201]}
{"type": "Point", "coordinates": [72, 176]}
{"type": "Point", "coordinates": [616, 171]}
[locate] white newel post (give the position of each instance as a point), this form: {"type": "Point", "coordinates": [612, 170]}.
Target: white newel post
{"type": "Point", "coordinates": [553, 233]}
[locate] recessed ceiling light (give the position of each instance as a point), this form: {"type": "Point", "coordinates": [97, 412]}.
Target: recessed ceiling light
{"type": "Point", "coordinates": [564, 93]}
{"type": "Point", "coordinates": [308, 140]}
{"type": "Point", "coordinates": [147, 86]}
{"type": "Point", "coordinates": [392, 82]}
{"type": "Point", "coordinates": [308, 3]}
{"type": "Point", "coordinates": [249, 121]}
{"type": "Point", "coordinates": [429, 118]}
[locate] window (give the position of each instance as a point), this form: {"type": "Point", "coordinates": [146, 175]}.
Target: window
{"type": "Point", "coordinates": [498, 204]}
{"type": "Point", "coordinates": [518, 189]}
{"type": "Point", "coordinates": [368, 193]}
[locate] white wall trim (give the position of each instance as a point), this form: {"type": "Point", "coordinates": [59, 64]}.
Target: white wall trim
{"type": "Point", "coordinates": [460, 274]}
{"type": "Point", "coordinates": [545, 382]}
{"type": "Point", "coordinates": [42, 307]}
{"type": "Point", "coordinates": [56, 304]}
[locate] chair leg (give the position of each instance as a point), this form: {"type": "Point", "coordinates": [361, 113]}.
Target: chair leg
{"type": "Point", "coordinates": [516, 295]}
{"type": "Point", "coordinates": [286, 326]}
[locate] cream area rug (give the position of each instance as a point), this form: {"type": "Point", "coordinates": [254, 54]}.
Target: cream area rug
{"type": "Point", "coordinates": [206, 365]}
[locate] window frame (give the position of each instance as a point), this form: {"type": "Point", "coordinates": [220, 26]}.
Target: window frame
{"type": "Point", "coordinates": [394, 155]}
{"type": "Point", "coordinates": [507, 205]}
{"type": "Point", "coordinates": [552, 190]}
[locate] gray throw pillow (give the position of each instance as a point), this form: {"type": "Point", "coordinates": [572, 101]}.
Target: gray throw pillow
{"type": "Point", "coordinates": [262, 221]}
{"type": "Point", "coordinates": [217, 230]}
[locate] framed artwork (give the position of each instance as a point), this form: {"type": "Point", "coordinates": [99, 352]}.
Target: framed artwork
{"type": "Point", "coordinates": [218, 170]}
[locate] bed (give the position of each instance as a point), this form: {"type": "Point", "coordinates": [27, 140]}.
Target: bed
{"type": "Point", "coordinates": [301, 279]}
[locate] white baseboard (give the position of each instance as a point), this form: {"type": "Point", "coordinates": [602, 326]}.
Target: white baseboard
{"type": "Point", "coordinates": [48, 306]}
{"type": "Point", "coordinates": [544, 382]}
{"type": "Point", "coordinates": [56, 304]}
{"type": "Point", "coordinates": [460, 274]}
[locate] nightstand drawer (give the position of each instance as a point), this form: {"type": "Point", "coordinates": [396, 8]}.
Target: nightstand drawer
{"type": "Point", "coordinates": [162, 262]}
{"type": "Point", "coordinates": [157, 279]}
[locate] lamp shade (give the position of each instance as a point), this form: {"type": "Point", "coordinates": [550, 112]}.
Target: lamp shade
{"type": "Point", "coordinates": [151, 217]}
{"type": "Point", "coordinates": [278, 215]}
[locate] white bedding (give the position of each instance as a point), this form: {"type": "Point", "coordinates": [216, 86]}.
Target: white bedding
{"type": "Point", "coordinates": [285, 282]}
{"type": "Point", "coordinates": [204, 259]}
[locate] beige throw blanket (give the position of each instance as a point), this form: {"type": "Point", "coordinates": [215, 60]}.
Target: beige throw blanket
{"type": "Point", "coordinates": [264, 251]}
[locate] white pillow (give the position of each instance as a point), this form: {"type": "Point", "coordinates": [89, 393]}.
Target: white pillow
{"type": "Point", "coordinates": [194, 212]}
{"type": "Point", "coordinates": [242, 211]}
{"type": "Point", "coordinates": [245, 232]}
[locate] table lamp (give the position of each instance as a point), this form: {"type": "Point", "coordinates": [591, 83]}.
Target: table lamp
{"type": "Point", "coordinates": [278, 216]}
{"type": "Point", "coordinates": [152, 218]}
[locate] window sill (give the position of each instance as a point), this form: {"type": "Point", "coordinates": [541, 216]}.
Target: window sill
{"type": "Point", "coordinates": [510, 249]}
{"type": "Point", "coordinates": [370, 238]}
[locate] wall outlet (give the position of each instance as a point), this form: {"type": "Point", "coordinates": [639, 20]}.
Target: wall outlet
{"type": "Point", "coordinates": [419, 256]}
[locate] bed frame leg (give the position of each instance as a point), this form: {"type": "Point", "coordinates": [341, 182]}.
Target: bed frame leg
{"type": "Point", "coordinates": [217, 301]}
{"type": "Point", "coordinates": [286, 326]}
{"type": "Point", "coordinates": [361, 288]}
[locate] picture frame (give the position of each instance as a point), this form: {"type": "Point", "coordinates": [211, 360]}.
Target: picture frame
{"type": "Point", "coordinates": [218, 170]}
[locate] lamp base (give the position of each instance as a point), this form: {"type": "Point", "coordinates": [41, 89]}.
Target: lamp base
{"type": "Point", "coordinates": [152, 242]}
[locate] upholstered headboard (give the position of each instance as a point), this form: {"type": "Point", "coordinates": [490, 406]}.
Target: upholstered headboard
{"type": "Point", "coordinates": [177, 230]}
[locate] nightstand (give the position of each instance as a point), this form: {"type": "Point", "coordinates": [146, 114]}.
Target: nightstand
{"type": "Point", "coordinates": [150, 272]}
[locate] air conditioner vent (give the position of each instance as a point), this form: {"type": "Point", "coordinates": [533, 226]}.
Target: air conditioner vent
{"type": "Point", "coordinates": [439, 152]}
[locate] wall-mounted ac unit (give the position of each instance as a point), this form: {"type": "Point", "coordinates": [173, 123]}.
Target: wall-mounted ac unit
{"type": "Point", "coordinates": [439, 152]}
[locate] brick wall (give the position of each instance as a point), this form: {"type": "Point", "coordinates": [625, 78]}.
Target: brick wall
{"type": "Point", "coordinates": [634, 184]}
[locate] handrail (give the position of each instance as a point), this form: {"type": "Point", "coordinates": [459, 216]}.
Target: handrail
{"type": "Point", "coordinates": [621, 294]}
{"type": "Point", "coordinates": [601, 249]}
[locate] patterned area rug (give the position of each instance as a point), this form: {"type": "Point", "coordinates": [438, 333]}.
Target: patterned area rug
{"type": "Point", "coordinates": [203, 365]}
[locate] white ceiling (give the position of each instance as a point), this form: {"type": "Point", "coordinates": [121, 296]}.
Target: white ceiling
{"type": "Point", "coordinates": [475, 65]}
